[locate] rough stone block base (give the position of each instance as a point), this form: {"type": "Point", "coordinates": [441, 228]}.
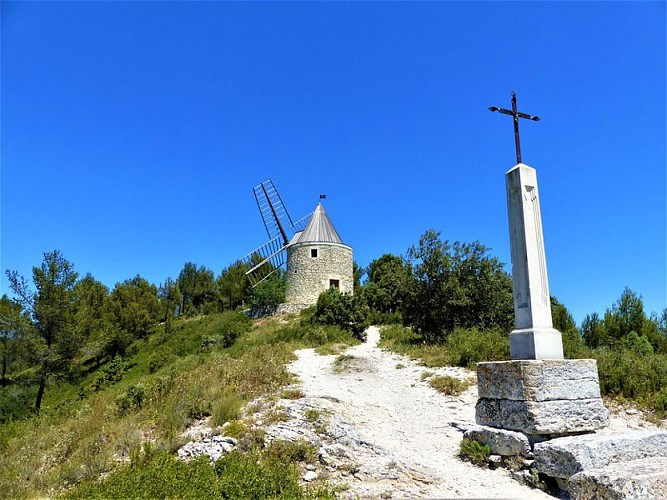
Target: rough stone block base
{"type": "Point", "coordinates": [541, 397]}
{"type": "Point", "coordinates": [566, 456]}
{"type": "Point", "coordinates": [502, 442]}
{"type": "Point", "coordinates": [645, 478]}
{"type": "Point", "coordinates": [539, 380]}
{"type": "Point", "coordinates": [551, 418]}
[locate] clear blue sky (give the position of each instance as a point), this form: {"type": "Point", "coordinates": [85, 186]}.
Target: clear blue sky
{"type": "Point", "coordinates": [133, 132]}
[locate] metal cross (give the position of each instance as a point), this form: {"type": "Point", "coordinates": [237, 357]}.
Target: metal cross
{"type": "Point", "coordinates": [516, 115]}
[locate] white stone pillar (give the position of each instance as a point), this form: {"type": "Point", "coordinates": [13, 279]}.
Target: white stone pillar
{"type": "Point", "coordinates": [534, 336]}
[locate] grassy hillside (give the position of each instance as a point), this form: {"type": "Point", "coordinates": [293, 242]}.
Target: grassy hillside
{"type": "Point", "coordinates": [183, 371]}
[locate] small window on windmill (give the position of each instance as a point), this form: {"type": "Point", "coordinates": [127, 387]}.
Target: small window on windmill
{"type": "Point", "coordinates": [334, 284]}
{"type": "Point", "coordinates": [313, 253]}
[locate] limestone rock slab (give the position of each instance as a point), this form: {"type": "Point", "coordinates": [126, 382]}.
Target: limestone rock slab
{"type": "Point", "coordinates": [566, 456]}
{"type": "Point", "coordinates": [542, 417]}
{"type": "Point", "coordinates": [539, 380]}
{"type": "Point", "coordinates": [644, 478]}
{"type": "Point", "coordinates": [501, 441]}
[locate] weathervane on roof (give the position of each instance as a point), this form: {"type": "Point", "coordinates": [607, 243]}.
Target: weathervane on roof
{"type": "Point", "coordinates": [516, 115]}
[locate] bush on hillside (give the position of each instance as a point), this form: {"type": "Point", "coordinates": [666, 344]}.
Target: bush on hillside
{"type": "Point", "coordinates": [630, 375]}
{"type": "Point", "coordinates": [229, 326]}
{"type": "Point", "coordinates": [268, 293]}
{"type": "Point", "coordinates": [463, 347]}
{"type": "Point", "coordinates": [475, 452]}
{"type": "Point", "coordinates": [467, 347]}
{"type": "Point", "coordinates": [343, 310]}
{"type": "Point", "coordinates": [110, 373]}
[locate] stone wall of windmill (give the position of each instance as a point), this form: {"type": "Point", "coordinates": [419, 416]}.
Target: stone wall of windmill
{"type": "Point", "coordinates": [317, 259]}
{"type": "Point", "coordinates": [313, 268]}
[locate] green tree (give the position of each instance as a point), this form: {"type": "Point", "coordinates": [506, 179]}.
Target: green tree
{"type": "Point", "coordinates": [389, 283]}
{"type": "Point", "coordinates": [11, 322]}
{"type": "Point", "coordinates": [426, 310]}
{"type": "Point", "coordinates": [91, 318]}
{"type": "Point", "coordinates": [234, 285]}
{"type": "Point", "coordinates": [270, 292]}
{"type": "Point", "coordinates": [482, 289]}
{"type": "Point", "coordinates": [135, 309]}
{"type": "Point", "coordinates": [197, 286]}
{"type": "Point", "coordinates": [626, 315]}
{"type": "Point", "coordinates": [456, 286]}
{"type": "Point", "coordinates": [594, 331]}
{"type": "Point", "coordinates": [357, 274]}
{"type": "Point", "coordinates": [171, 298]}
{"type": "Point", "coordinates": [639, 344]}
{"type": "Point", "coordinates": [574, 346]}
{"type": "Point", "coordinates": [55, 343]}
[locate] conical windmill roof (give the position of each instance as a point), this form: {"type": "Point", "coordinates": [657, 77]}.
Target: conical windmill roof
{"type": "Point", "coordinates": [319, 229]}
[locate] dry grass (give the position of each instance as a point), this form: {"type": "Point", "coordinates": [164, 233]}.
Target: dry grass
{"type": "Point", "coordinates": [41, 456]}
{"type": "Point", "coordinates": [450, 386]}
{"type": "Point", "coordinates": [82, 434]}
{"type": "Point", "coordinates": [342, 363]}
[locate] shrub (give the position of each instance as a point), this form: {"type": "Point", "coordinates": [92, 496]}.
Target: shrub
{"type": "Point", "coordinates": [343, 363]}
{"type": "Point", "coordinates": [343, 310]}
{"type": "Point", "coordinates": [385, 318]}
{"type": "Point", "coordinates": [574, 346]}
{"type": "Point", "coordinates": [291, 451]}
{"type": "Point", "coordinates": [110, 373]}
{"type": "Point", "coordinates": [449, 386]}
{"type": "Point", "coordinates": [661, 400]}
{"type": "Point", "coordinates": [250, 476]}
{"type": "Point", "coordinates": [463, 347]}
{"type": "Point", "coordinates": [292, 394]}
{"type": "Point", "coordinates": [155, 475]}
{"type": "Point", "coordinates": [132, 399]}
{"type": "Point", "coordinates": [158, 360]}
{"type": "Point", "coordinates": [269, 293]}
{"type": "Point", "coordinates": [16, 403]}
{"type": "Point", "coordinates": [638, 344]}
{"type": "Point", "coordinates": [313, 335]}
{"type": "Point", "coordinates": [311, 414]}
{"type": "Point", "coordinates": [630, 375]}
{"type": "Point", "coordinates": [475, 452]}
{"type": "Point", "coordinates": [230, 326]}
{"type": "Point", "coordinates": [235, 429]}
{"type": "Point", "coordinates": [398, 334]}
{"type": "Point", "coordinates": [227, 407]}
{"type": "Point", "coordinates": [467, 347]}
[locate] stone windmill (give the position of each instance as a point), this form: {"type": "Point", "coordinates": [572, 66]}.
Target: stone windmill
{"type": "Point", "coordinates": [315, 256]}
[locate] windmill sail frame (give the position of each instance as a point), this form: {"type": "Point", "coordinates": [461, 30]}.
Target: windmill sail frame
{"type": "Point", "coordinates": [267, 259]}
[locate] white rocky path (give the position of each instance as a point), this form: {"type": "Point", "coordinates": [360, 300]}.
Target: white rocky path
{"type": "Point", "coordinates": [398, 435]}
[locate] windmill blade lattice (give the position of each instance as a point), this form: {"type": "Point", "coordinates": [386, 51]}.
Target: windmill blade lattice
{"type": "Point", "coordinates": [268, 258]}
{"type": "Point", "coordinates": [273, 211]}
{"type": "Point", "coordinates": [265, 260]}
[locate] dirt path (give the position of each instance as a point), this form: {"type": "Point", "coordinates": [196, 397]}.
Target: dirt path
{"type": "Point", "coordinates": [392, 435]}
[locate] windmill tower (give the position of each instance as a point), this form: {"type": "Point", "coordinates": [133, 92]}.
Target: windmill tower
{"type": "Point", "coordinates": [317, 259]}
{"type": "Point", "coordinates": [315, 256]}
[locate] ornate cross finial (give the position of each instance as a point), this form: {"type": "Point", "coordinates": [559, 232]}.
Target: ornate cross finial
{"type": "Point", "coordinates": [516, 115]}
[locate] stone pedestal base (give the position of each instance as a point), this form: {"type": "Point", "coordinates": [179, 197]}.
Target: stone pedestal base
{"type": "Point", "coordinates": [536, 343]}
{"type": "Point", "coordinates": [547, 397]}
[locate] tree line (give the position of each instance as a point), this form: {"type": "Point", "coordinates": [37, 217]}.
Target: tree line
{"type": "Point", "coordinates": [60, 325]}
{"type": "Point", "coordinates": [441, 286]}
